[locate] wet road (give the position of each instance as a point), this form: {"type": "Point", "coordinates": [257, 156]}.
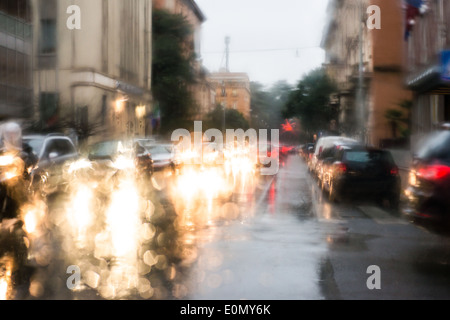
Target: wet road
{"type": "Point", "coordinates": [281, 240]}
{"type": "Point", "coordinates": [298, 245]}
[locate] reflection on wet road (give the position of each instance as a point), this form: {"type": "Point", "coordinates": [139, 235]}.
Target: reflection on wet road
{"type": "Point", "coordinates": [279, 238]}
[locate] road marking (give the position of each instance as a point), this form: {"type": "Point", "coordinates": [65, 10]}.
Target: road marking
{"type": "Point", "coordinates": [380, 216]}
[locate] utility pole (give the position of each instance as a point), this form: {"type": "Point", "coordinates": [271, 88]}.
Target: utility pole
{"type": "Point", "coordinates": [227, 69]}
{"type": "Point", "coordinates": [360, 98]}
{"type": "Point", "coordinates": [227, 53]}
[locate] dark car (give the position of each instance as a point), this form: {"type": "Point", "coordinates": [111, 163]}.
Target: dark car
{"type": "Point", "coordinates": [113, 150]}
{"type": "Point", "coordinates": [326, 158]}
{"type": "Point", "coordinates": [359, 171]}
{"type": "Point", "coordinates": [428, 190]}
{"type": "Point", "coordinates": [53, 152]}
{"type": "Point", "coordinates": [306, 150]}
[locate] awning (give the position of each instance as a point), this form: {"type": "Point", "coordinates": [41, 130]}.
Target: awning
{"type": "Point", "coordinates": [434, 79]}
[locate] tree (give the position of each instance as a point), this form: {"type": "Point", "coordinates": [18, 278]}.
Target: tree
{"type": "Point", "coordinates": [400, 119]}
{"type": "Point", "coordinates": [394, 116]}
{"type": "Point", "coordinates": [233, 119]}
{"type": "Point", "coordinates": [172, 68]}
{"type": "Point", "coordinates": [267, 104]}
{"type": "Point", "coordinates": [310, 102]}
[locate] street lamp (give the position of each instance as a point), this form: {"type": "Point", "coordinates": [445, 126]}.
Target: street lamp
{"type": "Point", "coordinates": [119, 105]}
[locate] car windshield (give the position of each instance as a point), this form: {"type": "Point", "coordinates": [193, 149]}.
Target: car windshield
{"type": "Point", "coordinates": [146, 142]}
{"type": "Point", "coordinates": [104, 149]}
{"type": "Point", "coordinates": [36, 144]}
{"type": "Point", "coordinates": [158, 149]}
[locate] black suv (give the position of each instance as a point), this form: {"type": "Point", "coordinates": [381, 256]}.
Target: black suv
{"type": "Point", "coordinates": [360, 171]}
{"type": "Point", "coordinates": [428, 191]}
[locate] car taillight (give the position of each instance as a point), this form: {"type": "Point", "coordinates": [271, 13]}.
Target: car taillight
{"type": "Point", "coordinates": [434, 172]}
{"type": "Point", "coordinates": [340, 167]}
{"type": "Point", "coordinates": [394, 171]}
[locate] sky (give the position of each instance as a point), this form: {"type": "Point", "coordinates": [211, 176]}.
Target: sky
{"type": "Point", "coordinates": [270, 40]}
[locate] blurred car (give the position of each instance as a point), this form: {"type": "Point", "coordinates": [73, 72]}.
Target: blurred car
{"type": "Point", "coordinates": [305, 150]}
{"type": "Point", "coordinates": [163, 156]}
{"type": "Point", "coordinates": [326, 158]}
{"type": "Point", "coordinates": [53, 152]}
{"type": "Point", "coordinates": [145, 142]}
{"type": "Point", "coordinates": [428, 190]}
{"type": "Point", "coordinates": [120, 152]}
{"type": "Point", "coordinates": [363, 171]}
{"type": "Point", "coordinates": [284, 151]}
{"type": "Point", "coordinates": [325, 143]}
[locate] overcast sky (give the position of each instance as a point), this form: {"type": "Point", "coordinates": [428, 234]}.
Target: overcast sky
{"type": "Point", "coordinates": [270, 40]}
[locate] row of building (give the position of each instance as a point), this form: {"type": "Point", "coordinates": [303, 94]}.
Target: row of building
{"type": "Point", "coordinates": [96, 74]}
{"type": "Point", "coordinates": [406, 59]}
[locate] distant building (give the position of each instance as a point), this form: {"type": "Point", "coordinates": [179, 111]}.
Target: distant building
{"type": "Point", "coordinates": [427, 39]}
{"type": "Point", "coordinates": [365, 94]}
{"type": "Point", "coordinates": [98, 76]}
{"type": "Point", "coordinates": [16, 85]}
{"type": "Point", "coordinates": [232, 91]}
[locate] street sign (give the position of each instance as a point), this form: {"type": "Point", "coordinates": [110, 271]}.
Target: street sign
{"type": "Point", "coordinates": [445, 64]}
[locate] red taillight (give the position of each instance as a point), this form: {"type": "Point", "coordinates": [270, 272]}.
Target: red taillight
{"type": "Point", "coordinates": [394, 171]}
{"type": "Point", "coordinates": [340, 167]}
{"type": "Point", "coordinates": [434, 172]}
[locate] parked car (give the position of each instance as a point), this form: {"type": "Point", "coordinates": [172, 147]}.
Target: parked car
{"type": "Point", "coordinates": [53, 151]}
{"type": "Point", "coordinates": [306, 150]}
{"type": "Point", "coordinates": [324, 143]}
{"type": "Point", "coordinates": [363, 171]}
{"type": "Point", "coordinates": [428, 190]}
{"type": "Point", "coordinates": [326, 158]}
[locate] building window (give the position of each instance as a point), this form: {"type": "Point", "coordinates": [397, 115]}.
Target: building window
{"type": "Point", "coordinates": [83, 118]}
{"type": "Point", "coordinates": [48, 107]}
{"type": "Point", "coordinates": [48, 36]}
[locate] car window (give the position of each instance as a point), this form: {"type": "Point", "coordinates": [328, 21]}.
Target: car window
{"type": "Point", "coordinates": [158, 149]}
{"type": "Point", "coordinates": [368, 156]}
{"type": "Point", "coordinates": [104, 149]}
{"type": "Point", "coordinates": [328, 153]}
{"type": "Point", "coordinates": [65, 147]}
{"type": "Point", "coordinates": [35, 144]}
{"type": "Point", "coordinates": [61, 147]}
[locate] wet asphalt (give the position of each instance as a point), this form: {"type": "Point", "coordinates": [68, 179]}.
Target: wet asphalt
{"type": "Point", "coordinates": [283, 241]}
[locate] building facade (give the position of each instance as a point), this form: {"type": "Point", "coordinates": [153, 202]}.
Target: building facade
{"type": "Point", "coordinates": [232, 91]}
{"type": "Point", "coordinates": [367, 63]}
{"type": "Point", "coordinates": [92, 65]}
{"type": "Point", "coordinates": [202, 91]}
{"type": "Point", "coordinates": [16, 85]}
{"type": "Point", "coordinates": [428, 45]}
